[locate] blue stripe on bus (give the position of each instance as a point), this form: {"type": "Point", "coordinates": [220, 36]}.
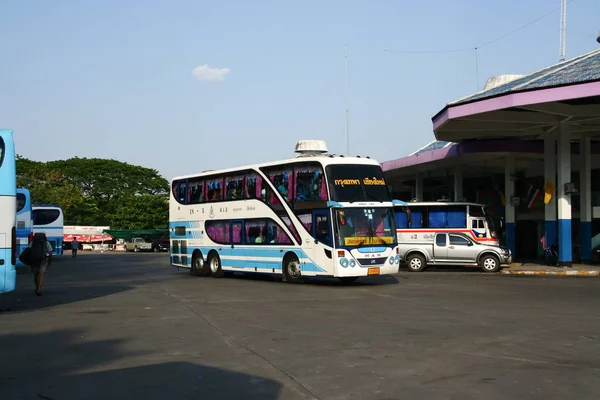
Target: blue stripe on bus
{"type": "Point", "coordinates": [43, 227]}
{"type": "Point", "coordinates": [275, 254]}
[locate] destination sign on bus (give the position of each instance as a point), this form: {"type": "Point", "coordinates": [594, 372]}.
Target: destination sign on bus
{"type": "Point", "coordinates": [354, 182]}
{"type": "Point", "coordinates": [358, 241]}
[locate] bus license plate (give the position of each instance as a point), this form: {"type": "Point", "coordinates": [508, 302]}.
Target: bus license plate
{"type": "Point", "coordinates": [373, 271]}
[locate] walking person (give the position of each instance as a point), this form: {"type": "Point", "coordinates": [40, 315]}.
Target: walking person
{"type": "Point", "coordinates": [41, 252]}
{"type": "Point", "coordinates": [74, 247]}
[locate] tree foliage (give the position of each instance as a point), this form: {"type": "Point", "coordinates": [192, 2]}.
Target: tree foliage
{"type": "Point", "coordinates": [95, 191]}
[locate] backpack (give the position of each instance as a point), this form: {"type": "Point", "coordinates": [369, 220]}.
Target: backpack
{"type": "Point", "coordinates": [38, 252]}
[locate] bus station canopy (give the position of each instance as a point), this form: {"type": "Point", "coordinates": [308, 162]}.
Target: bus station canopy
{"type": "Point", "coordinates": [528, 107]}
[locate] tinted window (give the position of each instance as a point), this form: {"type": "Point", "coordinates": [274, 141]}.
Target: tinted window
{"type": "Point", "coordinates": [309, 183]}
{"type": "Point", "coordinates": [196, 191]}
{"type": "Point", "coordinates": [323, 228]}
{"type": "Point", "coordinates": [218, 231]}
{"type": "Point", "coordinates": [236, 232]}
{"type": "Point", "coordinates": [2, 148]}
{"type": "Point", "coordinates": [357, 183]}
{"type": "Point", "coordinates": [458, 241]}
{"type": "Point", "coordinates": [234, 187]}
{"type": "Point", "coordinates": [214, 189]}
{"type": "Point", "coordinates": [21, 201]}
{"type": "Point", "coordinates": [440, 240]}
{"type": "Point", "coordinates": [45, 217]}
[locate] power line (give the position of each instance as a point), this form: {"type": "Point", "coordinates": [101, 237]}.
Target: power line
{"type": "Point", "coordinates": [465, 49]}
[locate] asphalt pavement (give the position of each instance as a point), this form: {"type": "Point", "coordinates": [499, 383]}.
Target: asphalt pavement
{"type": "Point", "coordinates": [130, 326]}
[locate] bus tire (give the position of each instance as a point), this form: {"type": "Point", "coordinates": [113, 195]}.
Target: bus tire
{"type": "Point", "coordinates": [198, 267]}
{"type": "Point", "coordinates": [489, 263]}
{"type": "Point", "coordinates": [416, 262]}
{"type": "Point", "coordinates": [292, 271]}
{"type": "Point", "coordinates": [214, 265]}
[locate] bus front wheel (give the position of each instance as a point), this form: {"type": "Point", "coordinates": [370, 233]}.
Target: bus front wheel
{"type": "Point", "coordinates": [292, 269]}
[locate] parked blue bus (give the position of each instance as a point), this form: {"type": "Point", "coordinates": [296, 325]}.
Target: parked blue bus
{"type": "Point", "coordinates": [8, 217]}
{"type": "Point", "coordinates": [49, 219]}
{"type": "Point", "coordinates": [24, 221]}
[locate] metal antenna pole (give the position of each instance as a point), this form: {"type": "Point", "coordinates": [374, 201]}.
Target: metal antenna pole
{"type": "Point", "coordinates": [347, 108]}
{"type": "Point", "coordinates": [563, 30]}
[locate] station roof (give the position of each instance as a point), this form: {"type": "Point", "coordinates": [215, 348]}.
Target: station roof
{"type": "Point", "coordinates": [529, 107]}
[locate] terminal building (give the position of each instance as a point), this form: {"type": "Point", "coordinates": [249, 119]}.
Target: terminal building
{"type": "Point", "coordinates": [523, 147]}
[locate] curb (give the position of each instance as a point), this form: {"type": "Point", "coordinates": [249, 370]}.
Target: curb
{"type": "Point", "coordinates": [554, 273]}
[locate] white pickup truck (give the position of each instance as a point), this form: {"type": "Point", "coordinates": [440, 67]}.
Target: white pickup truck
{"type": "Point", "coordinates": [138, 244]}
{"type": "Point", "coordinates": [418, 250]}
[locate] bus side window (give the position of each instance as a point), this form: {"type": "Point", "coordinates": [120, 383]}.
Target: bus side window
{"type": "Point", "coordinates": [474, 224]}
{"type": "Point", "coordinates": [196, 192]}
{"type": "Point", "coordinates": [182, 197]}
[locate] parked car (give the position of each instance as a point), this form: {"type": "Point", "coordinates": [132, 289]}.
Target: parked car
{"type": "Point", "coordinates": [423, 249]}
{"type": "Point", "coordinates": [138, 244]}
{"type": "Point", "coordinates": [163, 244]}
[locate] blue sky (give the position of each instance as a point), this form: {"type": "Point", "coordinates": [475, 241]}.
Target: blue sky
{"type": "Point", "coordinates": [114, 79]}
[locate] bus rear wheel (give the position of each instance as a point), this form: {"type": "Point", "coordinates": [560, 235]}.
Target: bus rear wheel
{"type": "Point", "coordinates": [214, 264]}
{"type": "Point", "coordinates": [292, 269]}
{"type": "Point", "coordinates": [198, 267]}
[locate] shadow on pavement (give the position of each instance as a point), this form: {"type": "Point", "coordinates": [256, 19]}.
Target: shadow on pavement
{"type": "Point", "coordinates": [62, 365]}
{"type": "Point", "coordinates": [24, 299]}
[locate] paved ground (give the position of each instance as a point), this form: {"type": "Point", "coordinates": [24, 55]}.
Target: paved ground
{"type": "Point", "coordinates": [128, 326]}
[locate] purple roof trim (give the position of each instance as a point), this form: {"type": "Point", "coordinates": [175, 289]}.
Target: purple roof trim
{"type": "Point", "coordinates": [457, 149]}
{"type": "Point", "coordinates": [517, 99]}
{"type": "Point", "coordinates": [478, 146]}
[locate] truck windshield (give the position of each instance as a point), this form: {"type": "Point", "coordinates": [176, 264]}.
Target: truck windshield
{"type": "Point", "coordinates": [355, 227]}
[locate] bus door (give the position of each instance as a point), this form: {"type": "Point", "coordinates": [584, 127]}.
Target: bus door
{"type": "Point", "coordinates": [478, 227]}
{"type": "Point", "coordinates": [322, 234]}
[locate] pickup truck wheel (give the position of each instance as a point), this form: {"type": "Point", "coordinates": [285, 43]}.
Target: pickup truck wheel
{"type": "Point", "coordinates": [416, 263]}
{"type": "Point", "coordinates": [214, 263]}
{"type": "Point", "coordinates": [489, 263]}
{"type": "Point", "coordinates": [136, 250]}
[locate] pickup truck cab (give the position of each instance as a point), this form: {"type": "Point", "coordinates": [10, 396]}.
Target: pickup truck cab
{"type": "Point", "coordinates": [423, 249]}
{"type": "Point", "coordinates": [138, 244]}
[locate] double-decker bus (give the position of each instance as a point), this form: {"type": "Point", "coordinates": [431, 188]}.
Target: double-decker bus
{"type": "Point", "coordinates": [49, 219]}
{"type": "Point", "coordinates": [313, 215]}
{"type": "Point", "coordinates": [8, 217]}
{"type": "Point", "coordinates": [24, 221]}
{"type": "Point", "coordinates": [424, 218]}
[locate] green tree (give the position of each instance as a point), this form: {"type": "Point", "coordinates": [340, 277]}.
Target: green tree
{"type": "Point", "coordinates": [109, 182]}
{"type": "Point", "coordinates": [142, 212]}
{"type": "Point", "coordinates": [92, 191]}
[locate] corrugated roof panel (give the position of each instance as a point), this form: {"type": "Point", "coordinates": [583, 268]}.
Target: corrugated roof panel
{"type": "Point", "coordinates": [438, 144]}
{"type": "Point", "coordinates": [584, 68]}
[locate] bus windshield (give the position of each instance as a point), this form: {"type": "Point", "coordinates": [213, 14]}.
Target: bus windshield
{"type": "Point", "coordinates": [356, 182]}
{"type": "Point", "coordinates": [356, 227]}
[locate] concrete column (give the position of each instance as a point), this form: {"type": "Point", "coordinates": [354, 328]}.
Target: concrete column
{"type": "Point", "coordinates": [419, 187]}
{"type": "Point", "coordinates": [458, 183]}
{"type": "Point", "coordinates": [509, 211]}
{"type": "Point", "coordinates": [550, 175]}
{"type": "Point", "coordinates": [565, 252]}
{"type": "Point", "coordinates": [585, 183]}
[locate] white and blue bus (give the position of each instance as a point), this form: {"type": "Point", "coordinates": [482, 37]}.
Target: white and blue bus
{"type": "Point", "coordinates": [313, 215]}
{"type": "Point", "coordinates": [49, 219]}
{"type": "Point", "coordinates": [8, 217]}
{"type": "Point", "coordinates": [24, 221]}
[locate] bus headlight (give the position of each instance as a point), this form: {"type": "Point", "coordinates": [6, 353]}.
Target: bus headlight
{"type": "Point", "coordinates": [392, 260]}
{"type": "Point", "coordinates": [398, 259]}
{"type": "Point", "coordinates": [344, 262]}
{"type": "Point", "coordinates": [352, 263]}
